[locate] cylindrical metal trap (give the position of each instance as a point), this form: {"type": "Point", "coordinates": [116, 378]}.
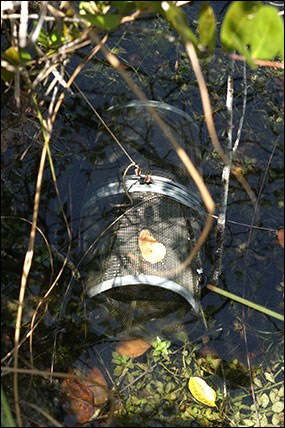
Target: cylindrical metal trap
{"type": "Point", "coordinates": [138, 229]}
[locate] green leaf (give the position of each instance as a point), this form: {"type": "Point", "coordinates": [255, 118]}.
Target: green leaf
{"type": "Point", "coordinates": [235, 26]}
{"type": "Point", "coordinates": [146, 5]}
{"type": "Point", "coordinates": [86, 6]}
{"type": "Point", "coordinates": [14, 57]}
{"type": "Point", "coordinates": [11, 55]}
{"type": "Point", "coordinates": [6, 415]}
{"type": "Point", "coordinates": [278, 407]}
{"type": "Point", "coordinates": [263, 400]}
{"type": "Point", "coordinates": [276, 420]}
{"type": "Point", "coordinates": [55, 39]}
{"type": "Point", "coordinates": [236, 22]}
{"type": "Point", "coordinates": [105, 22]}
{"type": "Point", "coordinates": [43, 37]}
{"type": "Point", "coordinates": [257, 382]}
{"type": "Point", "coordinates": [207, 27]}
{"type": "Point", "coordinates": [268, 376]}
{"type": "Point", "coordinates": [177, 18]}
{"type": "Point", "coordinates": [273, 394]}
{"type": "Point", "coordinates": [266, 40]}
{"type": "Point", "coordinates": [117, 371]}
{"type": "Point", "coordinates": [24, 55]}
{"type": "Point", "coordinates": [254, 30]}
{"type": "Point", "coordinates": [161, 347]}
{"type": "Point", "coordinates": [248, 423]}
{"type": "Point", "coordinates": [281, 391]}
{"type": "Point", "coordinates": [124, 7]}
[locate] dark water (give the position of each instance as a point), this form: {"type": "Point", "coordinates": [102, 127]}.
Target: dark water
{"type": "Point", "coordinates": [252, 266]}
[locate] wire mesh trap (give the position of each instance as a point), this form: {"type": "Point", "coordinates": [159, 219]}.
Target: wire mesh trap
{"type": "Point", "coordinates": [138, 228]}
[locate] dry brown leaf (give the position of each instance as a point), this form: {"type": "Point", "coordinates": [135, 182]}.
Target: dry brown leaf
{"type": "Point", "coordinates": [77, 400]}
{"type": "Point", "coordinates": [132, 348]}
{"type": "Point", "coordinates": [151, 250]}
{"type": "Point", "coordinates": [83, 396]}
{"type": "Point", "coordinates": [98, 385]}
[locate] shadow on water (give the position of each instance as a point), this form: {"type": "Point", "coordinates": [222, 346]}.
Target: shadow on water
{"type": "Point", "coordinates": [86, 316]}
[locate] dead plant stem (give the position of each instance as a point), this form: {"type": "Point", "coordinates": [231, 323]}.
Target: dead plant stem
{"type": "Point", "coordinates": [205, 100]}
{"type": "Point", "coordinates": [221, 222]}
{"type": "Point", "coordinates": [24, 279]}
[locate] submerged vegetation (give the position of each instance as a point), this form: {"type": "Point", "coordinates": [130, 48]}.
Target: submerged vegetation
{"type": "Point", "coordinates": [159, 387]}
{"type": "Point", "coordinates": [63, 65]}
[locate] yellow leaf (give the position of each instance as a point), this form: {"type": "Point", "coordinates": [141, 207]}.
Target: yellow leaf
{"type": "Point", "coordinates": [202, 391]}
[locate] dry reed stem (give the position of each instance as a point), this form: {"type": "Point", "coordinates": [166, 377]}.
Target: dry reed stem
{"type": "Point", "coordinates": [24, 278]}
{"type": "Point", "coordinates": [190, 50]}
{"type": "Point", "coordinates": [260, 62]}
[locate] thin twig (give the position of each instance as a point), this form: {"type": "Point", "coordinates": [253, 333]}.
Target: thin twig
{"type": "Point", "coordinates": [40, 21]}
{"type": "Point", "coordinates": [37, 17]}
{"type": "Point", "coordinates": [244, 101]}
{"type": "Point", "coordinates": [260, 62]}
{"type": "Point", "coordinates": [220, 230]}
{"type": "Point", "coordinates": [23, 28]}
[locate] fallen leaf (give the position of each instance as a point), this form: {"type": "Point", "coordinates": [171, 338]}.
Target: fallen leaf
{"type": "Point", "coordinates": [132, 348]}
{"type": "Point", "coordinates": [202, 391]}
{"type": "Point", "coordinates": [98, 385]}
{"type": "Point", "coordinates": [82, 396]}
{"type": "Point", "coordinates": [77, 400]}
{"type": "Point", "coordinates": [280, 237]}
{"type": "Point", "coordinates": [151, 250]}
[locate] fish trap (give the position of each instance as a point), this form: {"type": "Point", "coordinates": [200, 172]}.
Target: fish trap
{"type": "Point", "coordinates": [139, 228]}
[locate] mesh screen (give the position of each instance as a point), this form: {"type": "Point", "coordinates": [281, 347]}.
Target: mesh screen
{"type": "Point", "coordinates": [117, 253]}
